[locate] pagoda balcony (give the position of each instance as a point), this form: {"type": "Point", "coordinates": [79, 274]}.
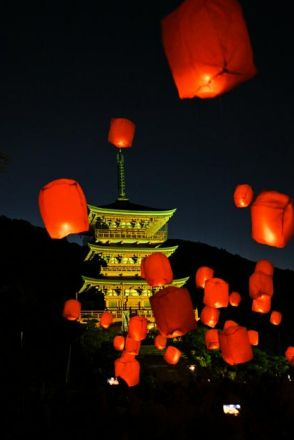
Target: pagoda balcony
{"type": "Point", "coordinates": [123, 235]}
{"type": "Point", "coordinates": [88, 315]}
{"type": "Point", "coordinates": [126, 271]}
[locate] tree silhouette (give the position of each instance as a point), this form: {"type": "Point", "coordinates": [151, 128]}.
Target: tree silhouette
{"type": "Point", "coordinates": [3, 161]}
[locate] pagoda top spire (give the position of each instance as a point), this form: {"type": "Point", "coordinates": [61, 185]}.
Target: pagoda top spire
{"type": "Point", "coordinates": [121, 179]}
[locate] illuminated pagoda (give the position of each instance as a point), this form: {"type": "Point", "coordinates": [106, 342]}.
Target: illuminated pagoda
{"type": "Point", "coordinates": [122, 234]}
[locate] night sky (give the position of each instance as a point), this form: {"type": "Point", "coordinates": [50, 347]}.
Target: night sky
{"type": "Point", "coordinates": [66, 72]}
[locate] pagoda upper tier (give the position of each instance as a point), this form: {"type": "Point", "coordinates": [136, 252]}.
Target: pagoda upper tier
{"type": "Point", "coordinates": [123, 222]}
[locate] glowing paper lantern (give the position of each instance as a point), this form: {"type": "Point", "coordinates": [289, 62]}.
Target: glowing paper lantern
{"type": "Point", "coordinates": [262, 304]}
{"type": "Point", "coordinates": [264, 266]}
{"type": "Point", "coordinates": [234, 299]}
{"type": "Point", "coordinates": [128, 370]}
{"type": "Point", "coordinates": [289, 355]}
{"type": "Point", "coordinates": [142, 268]}
{"type": "Point", "coordinates": [137, 328]}
{"type": "Point", "coordinates": [118, 342]}
{"type": "Point", "coordinates": [243, 195]}
{"type": "Point", "coordinates": [211, 339]}
{"type": "Point", "coordinates": [160, 342]}
{"type": "Point", "coordinates": [207, 47]}
{"type": "Point", "coordinates": [235, 345]}
{"type": "Point", "coordinates": [172, 355]}
{"type": "Point", "coordinates": [126, 355]}
{"type": "Point", "coordinates": [253, 336]}
{"type": "Point", "coordinates": [63, 208]}
{"type": "Point", "coordinates": [106, 319]}
{"type": "Point", "coordinates": [276, 317]}
{"type": "Point", "coordinates": [121, 132]}
{"type": "Point", "coordinates": [272, 219]}
{"type": "Point", "coordinates": [230, 323]}
{"type": "Point", "coordinates": [203, 274]}
{"type": "Point", "coordinates": [260, 284]}
{"type": "Point", "coordinates": [216, 293]}
{"type": "Point", "coordinates": [209, 316]}
{"type": "Point", "coordinates": [71, 310]}
{"type": "Point", "coordinates": [173, 311]}
{"type": "Point", "coordinates": [157, 270]}
{"type": "Point", "coordinates": [132, 346]}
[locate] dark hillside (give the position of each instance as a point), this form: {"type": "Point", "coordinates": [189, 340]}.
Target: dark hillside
{"type": "Point", "coordinates": [236, 271]}
{"type": "Point", "coordinates": [37, 274]}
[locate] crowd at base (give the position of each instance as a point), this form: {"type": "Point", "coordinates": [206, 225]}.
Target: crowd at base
{"type": "Point", "coordinates": [153, 409]}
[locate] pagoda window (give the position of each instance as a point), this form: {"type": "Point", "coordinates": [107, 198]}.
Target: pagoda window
{"type": "Point", "coordinates": [127, 292]}
{"type": "Point", "coordinates": [109, 292]}
{"type": "Point", "coordinates": [137, 225]}
{"type": "Point", "coordinates": [113, 260]}
{"type": "Point", "coordinates": [112, 304]}
{"type": "Point", "coordinates": [134, 292]}
{"type": "Point", "coordinates": [113, 225]}
{"type": "Point", "coordinates": [147, 292]}
{"type": "Point", "coordinates": [124, 260]}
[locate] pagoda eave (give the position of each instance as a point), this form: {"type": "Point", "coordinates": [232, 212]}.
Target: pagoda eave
{"type": "Point", "coordinates": [104, 283]}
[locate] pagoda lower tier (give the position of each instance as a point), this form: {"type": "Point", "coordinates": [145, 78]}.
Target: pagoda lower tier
{"type": "Point", "coordinates": [122, 293]}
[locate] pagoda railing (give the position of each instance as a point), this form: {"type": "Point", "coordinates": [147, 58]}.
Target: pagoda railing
{"type": "Point", "coordinates": [138, 235]}
{"type": "Point", "coordinates": [118, 268]}
{"type": "Point", "coordinates": [88, 315]}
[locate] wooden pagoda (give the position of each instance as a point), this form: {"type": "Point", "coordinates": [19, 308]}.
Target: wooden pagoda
{"type": "Point", "coordinates": [122, 234]}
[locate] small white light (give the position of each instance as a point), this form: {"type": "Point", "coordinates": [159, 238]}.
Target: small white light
{"type": "Point", "coordinates": [232, 409]}
{"type": "Point", "coordinates": [113, 381]}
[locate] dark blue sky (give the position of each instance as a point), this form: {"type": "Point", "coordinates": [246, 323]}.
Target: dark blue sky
{"type": "Point", "coordinates": [65, 73]}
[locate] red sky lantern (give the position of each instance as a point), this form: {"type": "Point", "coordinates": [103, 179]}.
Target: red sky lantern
{"type": "Point", "coordinates": [262, 304]}
{"type": "Point", "coordinates": [260, 284]}
{"type": "Point", "coordinates": [106, 319]}
{"type": "Point", "coordinates": [272, 219]}
{"type": "Point", "coordinates": [157, 269]}
{"type": "Point", "coordinates": [126, 355]}
{"type": "Point", "coordinates": [230, 323]}
{"type": "Point", "coordinates": [137, 328]}
{"type": "Point", "coordinates": [211, 339]}
{"type": "Point", "coordinates": [253, 336]}
{"type": "Point", "coordinates": [209, 316]}
{"type": "Point", "coordinates": [216, 293]}
{"type": "Point", "coordinates": [172, 355]}
{"type": "Point", "coordinates": [160, 342]}
{"type": "Point", "coordinates": [132, 346]}
{"type": "Point", "coordinates": [63, 208]}
{"type": "Point", "coordinates": [243, 195]}
{"type": "Point", "coordinates": [71, 310]}
{"type": "Point", "coordinates": [234, 299]}
{"type": "Point", "coordinates": [128, 370]}
{"type": "Point", "coordinates": [142, 268]}
{"type": "Point", "coordinates": [121, 132]}
{"type": "Point", "coordinates": [119, 342]}
{"type": "Point", "coordinates": [207, 47]}
{"type": "Point", "coordinates": [276, 317]}
{"type": "Point", "coordinates": [235, 345]}
{"type": "Point", "coordinates": [203, 274]}
{"type": "Point", "coordinates": [289, 355]}
{"type": "Point", "coordinates": [264, 266]}
{"type": "Point", "coordinates": [173, 311]}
